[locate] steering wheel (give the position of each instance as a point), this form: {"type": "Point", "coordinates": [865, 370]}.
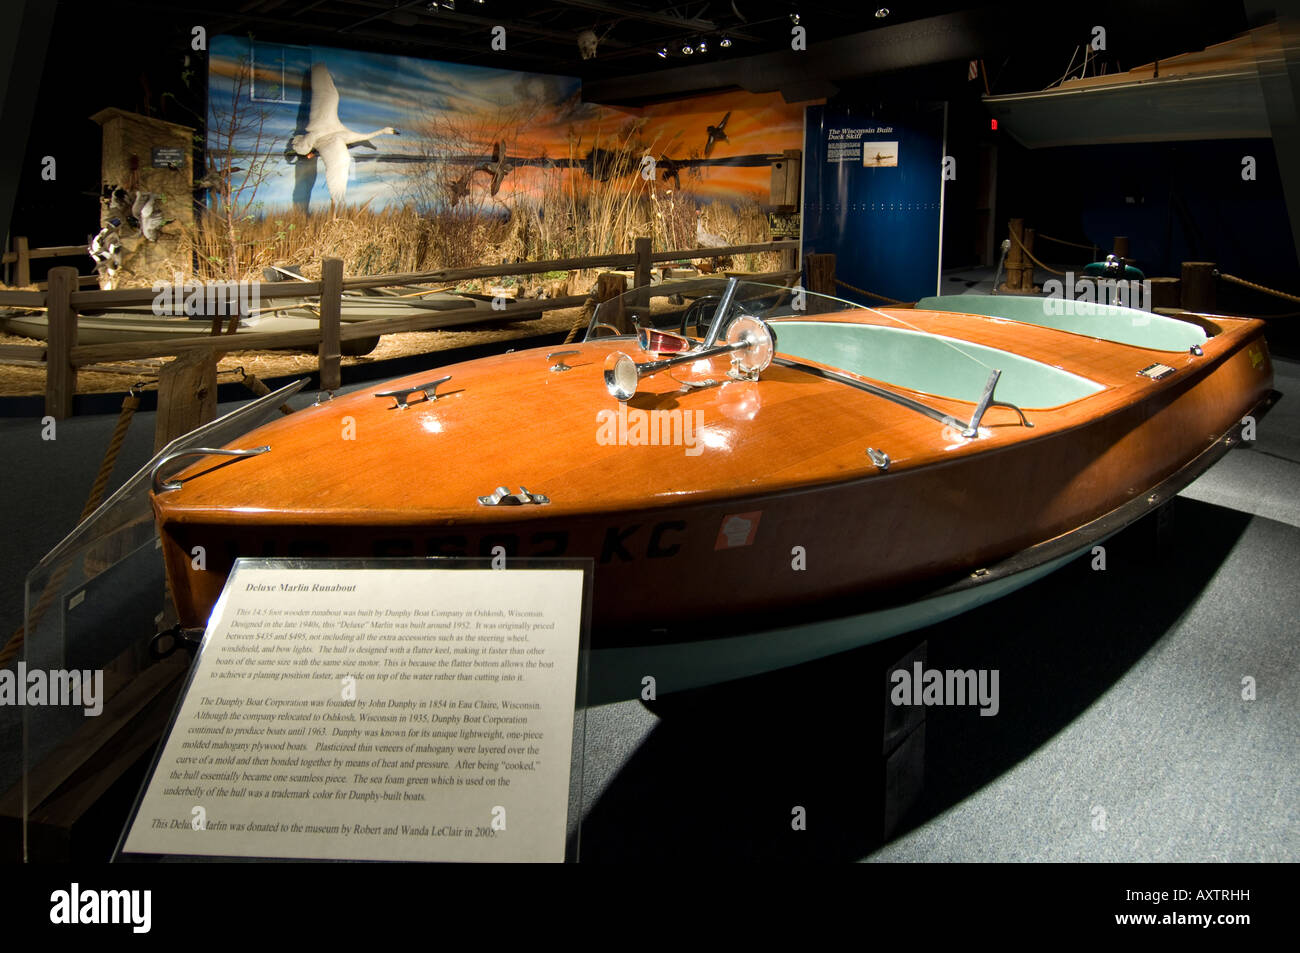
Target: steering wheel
{"type": "Point", "coordinates": [695, 316]}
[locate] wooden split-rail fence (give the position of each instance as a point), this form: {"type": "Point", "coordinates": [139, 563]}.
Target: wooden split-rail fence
{"type": "Point", "coordinates": [63, 299]}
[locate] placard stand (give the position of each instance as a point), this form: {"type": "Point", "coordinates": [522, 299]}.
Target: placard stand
{"type": "Point", "coordinates": [384, 709]}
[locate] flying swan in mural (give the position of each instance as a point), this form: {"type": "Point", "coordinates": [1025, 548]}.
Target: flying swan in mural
{"type": "Point", "coordinates": [328, 137]}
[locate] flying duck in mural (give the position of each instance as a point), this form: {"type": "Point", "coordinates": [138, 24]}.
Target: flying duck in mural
{"type": "Point", "coordinates": [498, 168]}
{"type": "Point", "coordinates": [716, 134]}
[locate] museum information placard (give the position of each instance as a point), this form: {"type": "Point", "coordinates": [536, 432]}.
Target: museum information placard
{"type": "Point", "coordinates": [374, 714]}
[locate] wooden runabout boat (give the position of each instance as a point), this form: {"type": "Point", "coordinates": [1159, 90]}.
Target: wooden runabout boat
{"type": "Point", "coordinates": [763, 477]}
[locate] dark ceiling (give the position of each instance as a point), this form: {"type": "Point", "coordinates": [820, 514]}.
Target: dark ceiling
{"type": "Point", "coordinates": [542, 37]}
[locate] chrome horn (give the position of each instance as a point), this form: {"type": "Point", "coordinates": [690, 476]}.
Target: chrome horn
{"type": "Point", "coordinates": [751, 343]}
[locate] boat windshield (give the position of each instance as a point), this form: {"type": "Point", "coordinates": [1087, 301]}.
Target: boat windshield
{"type": "Point", "coordinates": [883, 351]}
{"type": "Point", "coordinates": [688, 307]}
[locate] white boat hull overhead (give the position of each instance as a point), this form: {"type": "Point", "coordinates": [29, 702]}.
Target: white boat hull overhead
{"type": "Point", "coordinates": [1229, 106]}
{"type": "Point", "coordinates": [1214, 93]}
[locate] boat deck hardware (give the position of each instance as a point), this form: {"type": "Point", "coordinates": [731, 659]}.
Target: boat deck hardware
{"type": "Point", "coordinates": [746, 336]}
{"type": "Point", "coordinates": [503, 497]}
{"type": "Point", "coordinates": [1156, 372]}
{"type": "Point", "coordinates": [560, 365]}
{"type": "Point", "coordinates": [889, 395]}
{"type": "Point", "coordinates": [986, 401]}
{"type": "Point", "coordinates": [688, 386]}
{"type": "Point", "coordinates": [160, 486]}
{"type": "Point", "coordinates": [719, 315]}
{"type": "Point", "coordinates": [879, 458]}
{"type": "Point", "coordinates": [429, 390]}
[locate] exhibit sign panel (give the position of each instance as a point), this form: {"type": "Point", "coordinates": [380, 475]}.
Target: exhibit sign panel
{"type": "Point", "coordinates": [384, 710]}
{"type": "Point", "coordinates": [874, 195]}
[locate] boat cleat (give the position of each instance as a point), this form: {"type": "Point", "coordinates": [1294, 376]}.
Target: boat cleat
{"type": "Point", "coordinates": [503, 497]}
{"type": "Point", "coordinates": [403, 396]}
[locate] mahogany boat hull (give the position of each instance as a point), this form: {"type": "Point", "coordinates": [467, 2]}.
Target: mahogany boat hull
{"type": "Point", "coordinates": [689, 550]}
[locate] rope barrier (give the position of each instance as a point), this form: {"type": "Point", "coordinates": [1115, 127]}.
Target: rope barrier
{"type": "Point", "coordinates": [1062, 241]}
{"type": "Point", "coordinates": [254, 383]}
{"type": "Point", "coordinates": [1258, 287]}
{"type": "Point", "coordinates": [582, 320]}
{"type": "Point", "coordinates": [871, 294]}
{"type": "Point", "coordinates": [130, 404]}
{"type": "Point", "coordinates": [1030, 256]}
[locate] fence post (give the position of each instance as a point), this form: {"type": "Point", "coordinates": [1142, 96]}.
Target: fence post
{"type": "Point", "coordinates": [1165, 293]}
{"type": "Point", "coordinates": [641, 273]}
{"type": "Point", "coordinates": [23, 274]}
{"type": "Point", "coordinates": [1198, 291]}
{"type": "Point", "coordinates": [60, 374]}
{"type": "Point", "coordinates": [1027, 275]}
{"type": "Point", "coordinates": [1015, 257]}
{"type": "Point", "coordinates": [187, 396]}
{"type": "Point", "coordinates": [821, 274]}
{"type": "Point", "coordinates": [331, 291]}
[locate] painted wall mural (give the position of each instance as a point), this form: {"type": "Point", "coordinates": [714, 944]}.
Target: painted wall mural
{"type": "Point", "coordinates": [305, 126]}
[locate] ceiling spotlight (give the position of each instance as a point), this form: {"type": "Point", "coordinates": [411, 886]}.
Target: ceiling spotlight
{"type": "Point", "coordinates": [882, 13]}
{"type": "Point", "coordinates": [703, 47]}
{"type": "Point", "coordinates": [725, 42]}
{"type": "Point", "coordinates": [687, 49]}
{"type": "Point", "coordinates": [662, 52]}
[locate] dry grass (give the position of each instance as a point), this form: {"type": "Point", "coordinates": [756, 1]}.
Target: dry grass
{"type": "Point", "coordinates": [574, 216]}
{"type": "Point", "coordinates": [602, 210]}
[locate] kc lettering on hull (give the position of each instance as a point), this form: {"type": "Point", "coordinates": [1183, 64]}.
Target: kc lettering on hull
{"type": "Point", "coordinates": [618, 540]}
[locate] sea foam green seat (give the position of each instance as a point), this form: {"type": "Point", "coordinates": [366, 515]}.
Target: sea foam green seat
{"type": "Point", "coordinates": [1106, 321]}
{"type": "Point", "coordinates": [943, 366]}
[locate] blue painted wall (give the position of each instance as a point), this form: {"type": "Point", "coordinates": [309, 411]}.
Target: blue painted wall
{"type": "Point", "coordinates": [881, 221]}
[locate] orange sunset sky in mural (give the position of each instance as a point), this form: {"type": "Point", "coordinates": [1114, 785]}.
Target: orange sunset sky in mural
{"type": "Point", "coordinates": [456, 115]}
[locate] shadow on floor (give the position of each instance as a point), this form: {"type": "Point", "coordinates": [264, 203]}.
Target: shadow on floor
{"type": "Point", "coordinates": [721, 772]}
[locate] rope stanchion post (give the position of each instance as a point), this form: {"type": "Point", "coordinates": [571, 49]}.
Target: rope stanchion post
{"type": "Point", "coordinates": [1027, 271]}
{"type": "Point", "coordinates": [821, 273]}
{"type": "Point", "coordinates": [1028, 254]}
{"type": "Point", "coordinates": [1165, 292]}
{"type": "Point", "coordinates": [1198, 289]}
{"type": "Point", "coordinates": [1015, 257]}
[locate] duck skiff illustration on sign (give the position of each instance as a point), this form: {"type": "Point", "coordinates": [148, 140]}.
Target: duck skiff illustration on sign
{"type": "Point", "coordinates": [920, 462]}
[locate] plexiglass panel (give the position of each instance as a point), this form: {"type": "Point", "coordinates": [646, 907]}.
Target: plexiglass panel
{"type": "Point", "coordinates": [92, 606]}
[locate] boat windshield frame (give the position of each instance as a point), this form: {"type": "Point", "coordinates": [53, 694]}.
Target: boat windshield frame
{"type": "Point", "coordinates": [736, 300]}
{"type": "Point", "coordinates": [742, 291]}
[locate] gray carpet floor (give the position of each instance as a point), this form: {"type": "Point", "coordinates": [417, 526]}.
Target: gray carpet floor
{"type": "Point", "coordinates": [1121, 696]}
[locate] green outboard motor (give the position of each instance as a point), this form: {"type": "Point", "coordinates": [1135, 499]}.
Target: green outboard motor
{"type": "Point", "coordinates": [1113, 267]}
